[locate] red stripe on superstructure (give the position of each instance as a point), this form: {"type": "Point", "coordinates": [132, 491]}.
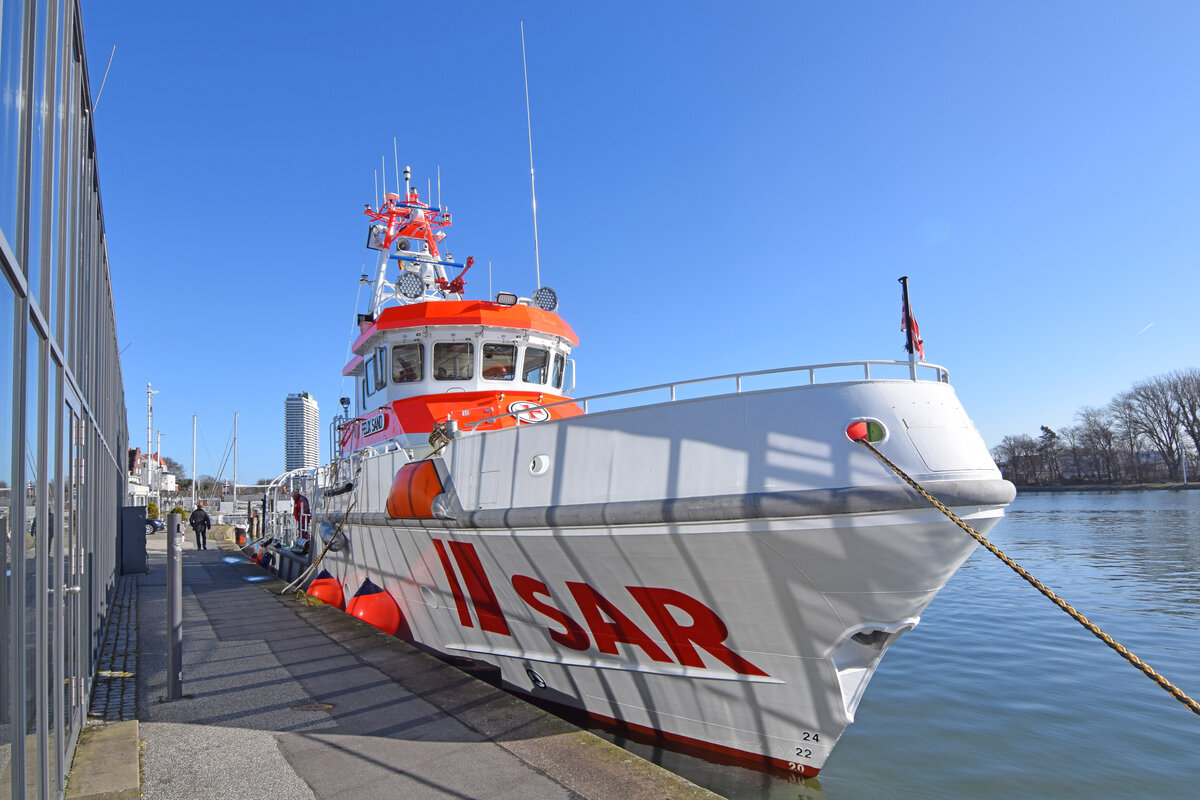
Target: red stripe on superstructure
{"type": "Point", "coordinates": [464, 616]}
{"type": "Point", "coordinates": [418, 414]}
{"type": "Point", "coordinates": [483, 597]}
{"type": "Point", "coordinates": [466, 312]}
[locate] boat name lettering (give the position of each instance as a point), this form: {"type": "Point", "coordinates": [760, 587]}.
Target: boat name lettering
{"type": "Point", "coordinates": [373, 424]}
{"type": "Point", "coordinates": [605, 625]}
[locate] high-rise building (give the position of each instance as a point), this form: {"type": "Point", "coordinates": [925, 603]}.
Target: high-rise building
{"type": "Point", "coordinates": [301, 431]}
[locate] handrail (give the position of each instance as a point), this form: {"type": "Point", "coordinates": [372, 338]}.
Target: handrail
{"type": "Point", "coordinates": [276, 523]}
{"type": "Point", "coordinates": [942, 375]}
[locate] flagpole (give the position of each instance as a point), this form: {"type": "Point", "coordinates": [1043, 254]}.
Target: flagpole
{"type": "Point", "coordinates": [908, 329]}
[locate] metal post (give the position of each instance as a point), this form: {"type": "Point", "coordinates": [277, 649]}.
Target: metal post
{"type": "Point", "coordinates": [174, 606]}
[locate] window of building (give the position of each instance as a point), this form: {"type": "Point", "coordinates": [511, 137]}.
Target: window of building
{"type": "Point", "coordinates": [499, 361]}
{"type": "Point", "coordinates": [12, 597]}
{"type": "Point", "coordinates": [453, 361]}
{"type": "Point", "coordinates": [560, 369]}
{"type": "Point", "coordinates": [26, 542]}
{"type": "Point", "coordinates": [535, 368]}
{"type": "Point", "coordinates": [408, 363]}
{"type": "Point", "coordinates": [11, 34]}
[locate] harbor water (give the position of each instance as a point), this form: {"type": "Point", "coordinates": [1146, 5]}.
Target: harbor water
{"type": "Point", "coordinates": [999, 694]}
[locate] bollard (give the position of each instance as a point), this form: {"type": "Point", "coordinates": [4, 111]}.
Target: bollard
{"type": "Point", "coordinates": [174, 606]}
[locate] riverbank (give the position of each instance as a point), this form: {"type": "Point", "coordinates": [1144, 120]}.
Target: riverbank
{"type": "Point", "coordinates": [1109, 487]}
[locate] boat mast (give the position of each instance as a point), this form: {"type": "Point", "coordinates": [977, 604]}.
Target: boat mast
{"type": "Point", "coordinates": [537, 262]}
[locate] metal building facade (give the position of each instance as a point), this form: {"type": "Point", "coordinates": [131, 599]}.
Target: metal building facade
{"type": "Point", "coordinates": [63, 434]}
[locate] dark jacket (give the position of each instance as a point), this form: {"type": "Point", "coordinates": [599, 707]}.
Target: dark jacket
{"type": "Point", "coordinates": [199, 520]}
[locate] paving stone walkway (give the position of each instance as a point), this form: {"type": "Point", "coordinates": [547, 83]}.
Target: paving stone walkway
{"type": "Point", "coordinates": [114, 693]}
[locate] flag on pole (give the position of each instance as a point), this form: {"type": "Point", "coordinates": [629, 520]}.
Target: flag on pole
{"type": "Point", "coordinates": [908, 324]}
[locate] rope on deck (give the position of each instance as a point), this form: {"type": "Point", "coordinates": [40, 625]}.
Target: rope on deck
{"type": "Point", "coordinates": [1124, 652]}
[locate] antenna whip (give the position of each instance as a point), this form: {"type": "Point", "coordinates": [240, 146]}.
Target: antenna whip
{"type": "Point", "coordinates": [532, 189]}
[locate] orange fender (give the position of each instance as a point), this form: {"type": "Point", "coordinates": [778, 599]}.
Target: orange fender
{"type": "Point", "coordinates": [327, 589]}
{"type": "Point", "coordinates": [376, 607]}
{"type": "Point", "coordinates": [413, 490]}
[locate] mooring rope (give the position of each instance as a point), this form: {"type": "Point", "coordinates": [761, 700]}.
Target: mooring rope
{"type": "Point", "coordinates": [1124, 652]}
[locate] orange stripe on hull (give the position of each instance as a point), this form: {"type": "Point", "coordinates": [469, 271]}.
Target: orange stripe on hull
{"type": "Point", "coordinates": [709, 751]}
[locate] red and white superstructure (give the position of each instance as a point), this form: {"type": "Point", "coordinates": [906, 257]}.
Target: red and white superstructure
{"type": "Point", "coordinates": [723, 571]}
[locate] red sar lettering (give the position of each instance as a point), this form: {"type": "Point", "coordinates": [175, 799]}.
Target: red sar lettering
{"type": "Point", "coordinates": [609, 626]}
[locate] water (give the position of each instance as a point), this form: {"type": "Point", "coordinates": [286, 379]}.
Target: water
{"type": "Point", "coordinates": [999, 694]}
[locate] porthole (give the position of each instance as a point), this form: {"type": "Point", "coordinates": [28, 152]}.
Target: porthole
{"type": "Point", "coordinates": [539, 465]}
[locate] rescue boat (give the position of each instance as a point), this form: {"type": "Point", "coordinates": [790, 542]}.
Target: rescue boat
{"type": "Point", "coordinates": [722, 572]}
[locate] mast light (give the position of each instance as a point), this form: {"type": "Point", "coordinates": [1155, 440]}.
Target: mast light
{"type": "Point", "coordinates": [410, 285]}
{"type": "Point", "coordinates": [546, 299]}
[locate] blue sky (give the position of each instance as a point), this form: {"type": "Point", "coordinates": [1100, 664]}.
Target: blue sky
{"type": "Point", "coordinates": [721, 187]}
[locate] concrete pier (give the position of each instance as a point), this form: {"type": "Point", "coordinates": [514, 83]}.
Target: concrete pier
{"type": "Point", "coordinates": [288, 700]}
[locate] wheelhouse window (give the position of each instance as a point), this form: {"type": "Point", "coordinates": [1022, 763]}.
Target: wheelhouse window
{"type": "Point", "coordinates": [379, 371]}
{"type": "Point", "coordinates": [369, 377]}
{"type": "Point", "coordinates": [453, 361]}
{"type": "Point", "coordinates": [408, 363]}
{"type": "Point", "coordinates": [535, 368]}
{"type": "Point", "coordinates": [560, 368]}
{"type": "Point", "coordinates": [499, 362]}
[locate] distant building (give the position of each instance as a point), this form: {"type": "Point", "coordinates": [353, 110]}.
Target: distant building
{"type": "Point", "coordinates": [147, 475]}
{"type": "Point", "coordinates": [301, 431]}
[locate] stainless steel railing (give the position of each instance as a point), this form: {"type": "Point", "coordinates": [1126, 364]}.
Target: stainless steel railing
{"type": "Point", "coordinates": [904, 371]}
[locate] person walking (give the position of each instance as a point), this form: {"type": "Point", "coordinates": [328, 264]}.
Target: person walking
{"type": "Point", "coordinates": [200, 524]}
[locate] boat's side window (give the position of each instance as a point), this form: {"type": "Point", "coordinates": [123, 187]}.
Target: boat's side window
{"type": "Point", "coordinates": [453, 361]}
{"type": "Point", "coordinates": [380, 371]}
{"type": "Point", "coordinates": [408, 363]}
{"type": "Point", "coordinates": [535, 367]}
{"type": "Point", "coordinates": [369, 378]}
{"type": "Point", "coordinates": [499, 361]}
{"type": "Point", "coordinates": [560, 368]}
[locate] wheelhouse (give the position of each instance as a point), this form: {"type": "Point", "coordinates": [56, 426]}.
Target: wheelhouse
{"type": "Point", "coordinates": [408, 364]}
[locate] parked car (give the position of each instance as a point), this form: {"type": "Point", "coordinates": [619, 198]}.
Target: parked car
{"type": "Point", "coordinates": [155, 526]}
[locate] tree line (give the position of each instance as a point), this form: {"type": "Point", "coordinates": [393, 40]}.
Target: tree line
{"type": "Point", "coordinates": [1149, 433]}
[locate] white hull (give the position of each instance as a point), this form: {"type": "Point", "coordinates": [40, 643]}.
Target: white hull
{"type": "Point", "coordinates": [725, 571]}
